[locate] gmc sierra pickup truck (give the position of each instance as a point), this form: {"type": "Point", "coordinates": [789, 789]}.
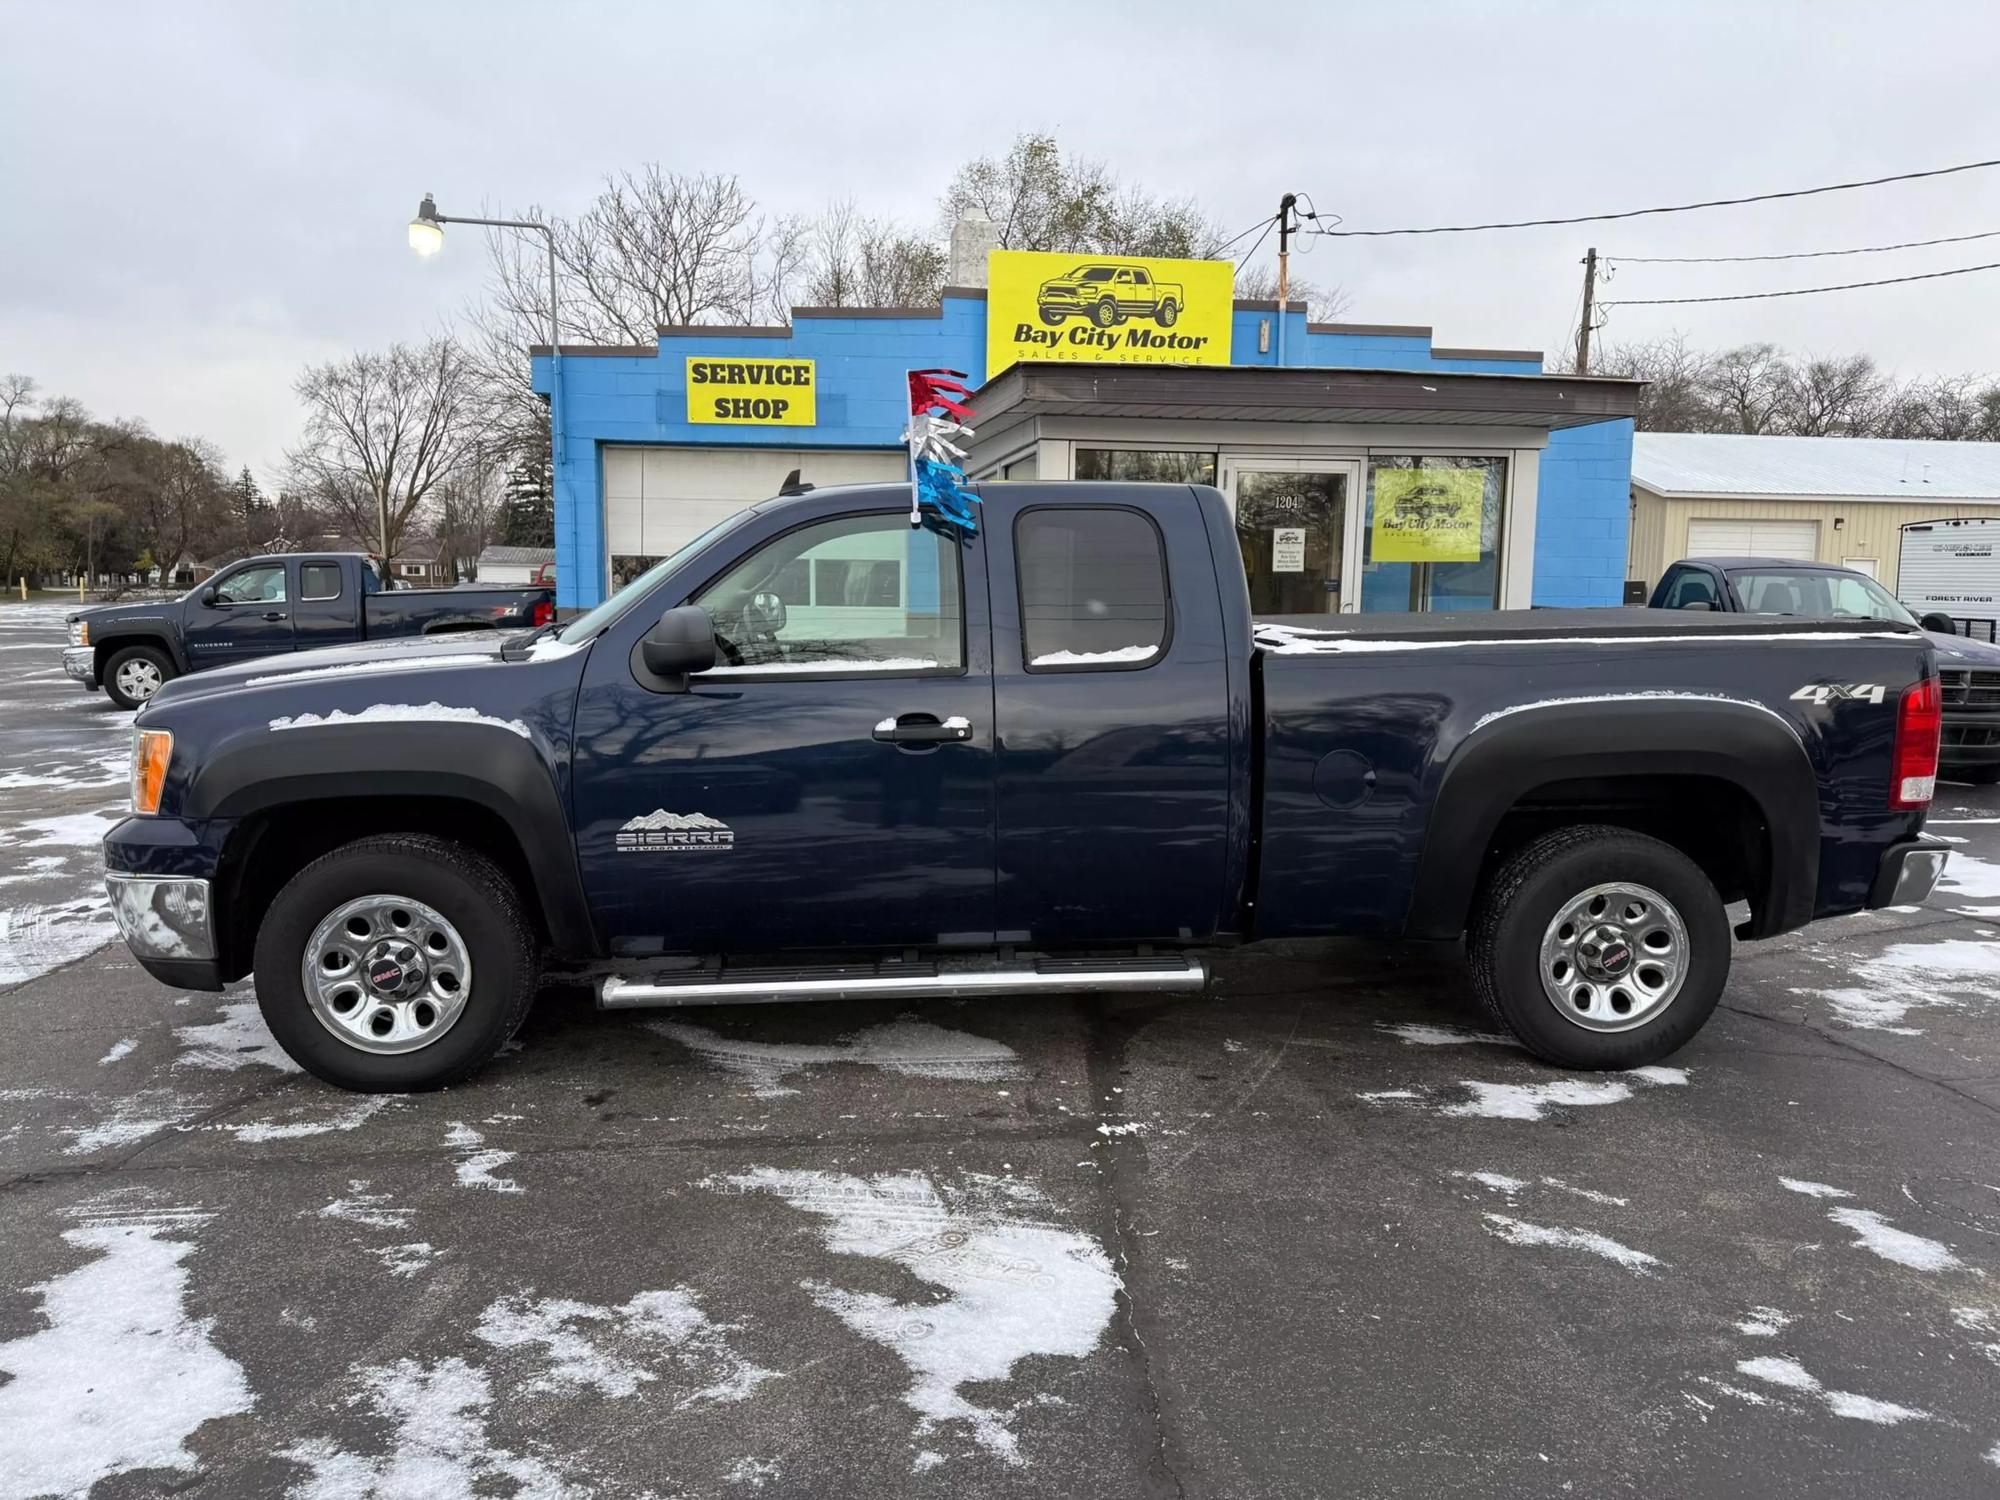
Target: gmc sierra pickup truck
{"type": "Point", "coordinates": [265, 605]}
{"type": "Point", "coordinates": [820, 753]}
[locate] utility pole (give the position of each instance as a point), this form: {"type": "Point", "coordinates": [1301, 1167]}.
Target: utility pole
{"type": "Point", "coordinates": [1589, 311]}
{"type": "Point", "coordinates": [1286, 205]}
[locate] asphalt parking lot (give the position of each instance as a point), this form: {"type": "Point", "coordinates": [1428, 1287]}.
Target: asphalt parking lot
{"type": "Point", "coordinates": [1313, 1234]}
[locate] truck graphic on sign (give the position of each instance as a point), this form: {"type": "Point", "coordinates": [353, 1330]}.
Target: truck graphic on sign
{"type": "Point", "coordinates": [1108, 292]}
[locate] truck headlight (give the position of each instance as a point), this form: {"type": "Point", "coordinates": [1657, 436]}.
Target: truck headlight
{"type": "Point", "coordinates": [79, 632]}
{"type": "Point", "coordinates": [151, 750]}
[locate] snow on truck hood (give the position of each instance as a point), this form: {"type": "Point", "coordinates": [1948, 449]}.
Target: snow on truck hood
{"type": "Point", "coordinates": [361, 662]}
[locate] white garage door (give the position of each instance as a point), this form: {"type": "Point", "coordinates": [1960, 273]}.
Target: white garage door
{"type": "Point", "coordinates": [657, 499]}
{"type": "Point", "coordinates": [1798, 540]}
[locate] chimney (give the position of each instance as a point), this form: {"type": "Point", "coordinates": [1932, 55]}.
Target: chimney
{"type": "Point", "coordinates": [971, 239]}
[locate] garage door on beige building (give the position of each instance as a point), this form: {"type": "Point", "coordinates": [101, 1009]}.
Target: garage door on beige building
{"type": "Point", "coordinates": [657, 499]}
{"type": "Point", "coordinates": [1798, 540]}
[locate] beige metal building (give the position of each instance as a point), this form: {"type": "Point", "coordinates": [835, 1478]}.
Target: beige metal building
{"type": "Point", "coordinates": [1832, 499]}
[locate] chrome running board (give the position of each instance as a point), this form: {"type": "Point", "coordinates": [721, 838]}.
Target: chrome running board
{"type": "Point", "coordinates": [946, 979]}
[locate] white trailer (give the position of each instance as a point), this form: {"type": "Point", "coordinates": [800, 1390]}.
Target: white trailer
{"type": "Point", "coordinates": [1953, 568]}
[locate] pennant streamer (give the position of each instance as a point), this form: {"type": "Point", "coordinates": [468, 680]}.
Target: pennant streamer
{"type": "Point", "coordinates": [937, 475]}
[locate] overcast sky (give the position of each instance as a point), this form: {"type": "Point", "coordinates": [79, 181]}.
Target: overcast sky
{"type": "Point", "coordinates": [198, 199]}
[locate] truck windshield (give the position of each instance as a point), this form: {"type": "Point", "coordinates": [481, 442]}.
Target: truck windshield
{"type": "Point", "coordinates": [585, 626]}
{"type": "Point", "coordinates": [1817, 596]}
{"type": "Point", "coordinates": [1091, 273]}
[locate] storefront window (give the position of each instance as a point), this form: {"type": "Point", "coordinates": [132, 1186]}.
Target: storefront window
{"type": "Point", "coordinates": [1162, 465]}
{"type": "Point", "coordinates": [1431, 539]}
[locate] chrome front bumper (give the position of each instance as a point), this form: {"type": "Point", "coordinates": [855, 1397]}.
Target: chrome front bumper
{"type": "Point", "coordinates": [80, 662]}
{"type": "Point", "coordinates": [163, 916]}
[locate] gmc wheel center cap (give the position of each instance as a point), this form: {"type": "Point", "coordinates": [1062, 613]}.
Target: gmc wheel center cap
{"type": "Point", "coordinates": [394, 968]}
{"type": "Point", "coordinates": [1605, 954]}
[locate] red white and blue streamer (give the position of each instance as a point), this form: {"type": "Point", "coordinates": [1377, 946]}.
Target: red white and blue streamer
{"type": "Point", "coordinates": [937, 424]}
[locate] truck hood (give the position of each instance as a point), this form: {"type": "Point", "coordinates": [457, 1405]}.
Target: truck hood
{"type": "Point", "coordinates": [101, 615]}
{"type": "Point", "coordinates": [1963, 651]}
{"type": "Point", "coordinates": [341, 664]}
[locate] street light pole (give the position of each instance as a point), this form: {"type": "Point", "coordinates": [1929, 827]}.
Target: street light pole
{"type": "Point", "coordinates": [427, 238]}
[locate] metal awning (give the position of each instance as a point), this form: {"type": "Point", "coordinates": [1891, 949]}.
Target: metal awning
{"type": "Point", "coordinates": [1256, 393]}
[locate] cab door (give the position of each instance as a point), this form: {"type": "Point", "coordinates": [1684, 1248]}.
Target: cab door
{"type": "Point", "coordinates": [242, 613]}
{"type": "Point", "coordinates": [829, 784]}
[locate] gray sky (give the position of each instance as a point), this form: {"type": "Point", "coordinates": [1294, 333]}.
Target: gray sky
{"type": "Point", "coordinates": [197, 199]}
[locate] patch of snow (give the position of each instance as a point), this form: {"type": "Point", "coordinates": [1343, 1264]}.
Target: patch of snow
{"type": "Point", "coordinates": [440, 1447]}
{"type": "Point", "coordinates": [1499, 1182]}
{"type": "Point", "coordinates": [1775, 1370]}
{"type": "Point", "coordinates": [1972, 884]}
{"type": "Point", "coordinates": [1790, 1375]}
{"type": "Point", "coordinates": [1972, 1319]}
{"type": "Point", "coordinates": [1229, 1044]}
{"type": "Point", "coordinates": [1015, 1287]}
{"type": "Point", "coordinates": [353, 1117]}
{"type": "Point", "coordinates": [1129, 1127]}
{"type": "Point", "coordinates": [1884, 989]}
{"type": "Point", "coordinates": [407, 1260]}
{"type": "Point", "coordinates": [71, 830]}
{"type": "Point", "coordinates": [1878, 1236]}
{"type": "Point", "coordinates": [374, 668]}
{"type": "Point", "coordinates": [372, 1209]}
{"type": "Point", "coordinates": [911, 1048]}
{"type": "Point", "coordinates": [823, 664]}
{"type": "Point", "coordinates": [928, 1459]}
{"type": "Point", "coordinates": [38, 939]}
{"type": "Point", "coordinates": [239, 1039]}
{"type": "Point", "coordinates": [401, 713]}
{"type": "Point", "coordinates": [1519, 1232]}
{"type": "Point", "coordinates": [1763, 1323]}
{"type": "Point", "coordinates": [1609, 1199]}
{"type": "Point", "coordinates": [119, 1050]}
{"type": "Point", "coordinates": [1418, 1034]}
{"type": "Point", "coordinates": [475, 1168]}
{"type": "Point", "coordinates": [1093, 658]}
{"type": "Point", "coordinates": [132, 1120]}
{"type": "Point", "coordinates": [615, 1350]}
{"type": "Point", "coordinates": [1531, 1101]}
{"type": "Point", "coordinates": [121, 1376]}
{"type": "Point", "coordinates": [753, 1473]}
{"type": "Point", "coordinates": [1812, 1189]}
{"type": "Point", "coordinates": [1287, 640]}
{"type": "Point", "coordinates": [1390, 1094]}
{"type": "Point", "coordinates": [1672, 1077]}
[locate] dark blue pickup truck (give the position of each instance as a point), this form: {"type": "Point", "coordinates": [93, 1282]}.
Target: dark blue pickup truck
{"type": "Point", "coordinates": [822, 753]}
{"type": "Point", "coordinates": [263, 606]}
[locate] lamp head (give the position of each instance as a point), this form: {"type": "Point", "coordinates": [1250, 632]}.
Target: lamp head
{"type": "Point", "coordinates": [427, 228]}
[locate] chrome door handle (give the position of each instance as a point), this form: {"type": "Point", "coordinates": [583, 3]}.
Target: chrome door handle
{"type": "Point", "coordinates": [923, 729]}
{"type": "Point", "coordinates": [275, 615]}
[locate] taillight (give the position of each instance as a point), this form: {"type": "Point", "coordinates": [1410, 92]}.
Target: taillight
{"type": "Point", "coordinates": [1919, 721]}
{"type": "Point", "coordinates": [545, 611]}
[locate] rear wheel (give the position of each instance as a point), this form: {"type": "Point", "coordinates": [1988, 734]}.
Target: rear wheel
{"type": "Point", "coordinates": [135, 673]}
{"type": "Point", "coordinates": [395, 963]}
{"type": "Point", "coordinates": [1599, 947]}
{"type": "Point", "coordinates": [1167, 315]}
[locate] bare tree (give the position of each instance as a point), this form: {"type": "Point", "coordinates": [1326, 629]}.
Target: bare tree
{"type": "Point", "coordinates": [1678, 396]}
{"type": "Point", "coordinates": [1830, 396]}
{"type": "Point", "coordinates": [470, 507]}
{"type": "Point", "coordinates": [1747, 387]}
{"type": "Point", "coordinates": [1038, 199]}
{"type": "Point", "coordinates": [383, 432]}
{"type": "Point", "coordinates": [853, 261]}
{"type": "Point", "coordinates": [1323, 304]}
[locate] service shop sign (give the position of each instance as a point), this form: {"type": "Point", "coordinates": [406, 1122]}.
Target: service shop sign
{"type": "Point", "coordinates": [752, 392]}
{"type": "Point", "coordinates": [1106, 309]}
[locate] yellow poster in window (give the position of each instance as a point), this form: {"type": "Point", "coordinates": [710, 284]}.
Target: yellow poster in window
{"type": "Point", "coordinates": [1107, 309]}
{"type": "Point", "coordinates": [1428, 515]}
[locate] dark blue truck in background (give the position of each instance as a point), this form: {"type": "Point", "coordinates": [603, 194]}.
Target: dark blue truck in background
{"type": "Point", "coordinates": [820, 753]}
{"type": "Point", "coordinates": [263, 606]}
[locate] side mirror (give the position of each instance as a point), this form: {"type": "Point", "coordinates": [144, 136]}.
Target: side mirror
{"type": "Point", "coordinates": [682, 643]}
{"type": "Point", "coordinates": [764, 615]}
{"type": "Point", "coordinates": [1697, 604]}
{"type": "Point", "coordinates": [1942, 623]}
{"type": "Point", "coordinates": [208, 596]}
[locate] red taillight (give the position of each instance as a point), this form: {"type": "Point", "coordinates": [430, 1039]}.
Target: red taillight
{"type": "Point", "coordinates": [1919, 721]}
{"type": "Point", "coordinates": [544, 612]}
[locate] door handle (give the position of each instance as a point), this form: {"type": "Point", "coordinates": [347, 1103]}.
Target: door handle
{"type": "Point", "coordinates": [923, 729]}
{"type": "Point", "coordinates": [276, 614]}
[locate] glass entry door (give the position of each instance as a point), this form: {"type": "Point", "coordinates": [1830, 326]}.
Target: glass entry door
{"type": "Point", "coordinates": [1297, 524]}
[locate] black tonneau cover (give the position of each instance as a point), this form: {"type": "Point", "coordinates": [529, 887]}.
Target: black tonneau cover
{"type": "Point", "coordinates": [1556, 624]}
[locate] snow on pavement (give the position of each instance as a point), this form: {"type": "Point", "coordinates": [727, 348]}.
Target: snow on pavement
{"type": "Point", "coordinates": [908, 1047]}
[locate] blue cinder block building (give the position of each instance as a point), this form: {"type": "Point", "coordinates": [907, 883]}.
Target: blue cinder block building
{"type": "Point", "coordinates": [657, 443]}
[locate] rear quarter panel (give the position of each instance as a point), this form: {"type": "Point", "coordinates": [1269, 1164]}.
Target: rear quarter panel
{"type": "Point", "coordinates": [1340, 853]}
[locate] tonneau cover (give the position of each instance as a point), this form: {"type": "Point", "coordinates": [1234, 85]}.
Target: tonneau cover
{"type": "Point", "coordinates": [1553, 624]}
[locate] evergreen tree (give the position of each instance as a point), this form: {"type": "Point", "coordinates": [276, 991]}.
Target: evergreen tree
{"type": "Point", "coordinates": [529, 519]}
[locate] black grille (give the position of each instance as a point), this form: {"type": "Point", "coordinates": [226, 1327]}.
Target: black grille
{"type": "Point", "coordinates": [1969, 689]}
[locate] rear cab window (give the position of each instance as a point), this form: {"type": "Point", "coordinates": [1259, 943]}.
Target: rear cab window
{"type": "Point", "coordinates": [319, 581]}
{"type": "Point", "coordinates": [1093, 587]}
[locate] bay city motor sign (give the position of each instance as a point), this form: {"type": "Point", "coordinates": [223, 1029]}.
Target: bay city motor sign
{"type": "Point", "coordinates": [1107, 309]}
{"type": "Point", "coordinates": [752, 392]}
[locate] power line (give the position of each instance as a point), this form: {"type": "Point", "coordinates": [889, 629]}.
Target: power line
{"type": "Point", "coordinates": [1264, 224]}
{"type": "Point", "coordinates": [1719, 260]}
{"type": "Point", "coordinates": [1251, 254]}
{"type": "Point", "coordinates": [1679, 208]}
{"type": "Point", "coordinates": [1803, 291]}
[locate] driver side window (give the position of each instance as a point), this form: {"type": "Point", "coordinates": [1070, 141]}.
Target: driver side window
{"type": "Point", "coordinates": [854, 594]}
{"type": "Point", "coordinates": [253, 586]}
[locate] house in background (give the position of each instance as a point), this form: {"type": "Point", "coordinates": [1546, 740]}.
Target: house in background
{"type": "Point", "coordinates": [525, 565]}
{"type": "Point", "coordinates": [1819, 499]}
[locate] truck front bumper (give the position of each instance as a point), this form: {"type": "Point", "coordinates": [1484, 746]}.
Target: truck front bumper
{"type": "Point", "coordinates": [1909, 873]}
{"type": "Point", "coordinates": [80, 662]}
{"type": "Point", "coordinates": [1971, 739]}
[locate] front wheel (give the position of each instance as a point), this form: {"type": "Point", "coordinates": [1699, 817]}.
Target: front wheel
{"type": "Point", "coordinates": [134, 674]}
{"type": "Point", "coordinates": [1599, 947]}
{"type": "Point", "coordinates": [1051, 316]}
{"type": "Point", "coordinates": [394, 963]}
{"type": "Point", "coordinates": [1106, 314]}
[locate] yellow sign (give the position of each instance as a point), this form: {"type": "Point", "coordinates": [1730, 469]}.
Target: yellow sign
{"type": "Point", "coordinates": [1428, 515]}
{"type": "Point", "coordinates": [752, 392]}
{"type": "Point", "coordinates": [1106, 309]}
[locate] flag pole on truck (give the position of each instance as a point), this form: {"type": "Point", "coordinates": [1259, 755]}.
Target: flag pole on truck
{"type": "Point", "coordinates": [937, 478]}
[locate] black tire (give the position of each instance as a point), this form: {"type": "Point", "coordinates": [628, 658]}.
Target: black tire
{"type": "Point", "coordinates": [136, 656]}
{"type": "Point", "coordinates": [463, 886]}
{"type": "Point", "coordinates": [1106, 314]}
{"type": "Point", "coordinates": [1166, 315]}
{"type": "Point", "coordinates": [1522, 899]}
{"type": "Point", "coordinates": [1051, 316]}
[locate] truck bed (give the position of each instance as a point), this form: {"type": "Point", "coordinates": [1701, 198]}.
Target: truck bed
{"type": "Point", "coordinates": [1294, 633]}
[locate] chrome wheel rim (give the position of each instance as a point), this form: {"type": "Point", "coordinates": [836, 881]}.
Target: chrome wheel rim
{"type": "Point", "coordinates": [386, 974]}
{"type": "Point", "coordinates": [139, 680]}
{"type": "Point", "coordinates": [1614, 957]}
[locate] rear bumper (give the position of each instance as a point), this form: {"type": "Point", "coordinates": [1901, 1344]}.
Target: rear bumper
{"type": "Point", "coordinates": [1909, 873]}
{"type": "Point", "coordinates": [80, 662]}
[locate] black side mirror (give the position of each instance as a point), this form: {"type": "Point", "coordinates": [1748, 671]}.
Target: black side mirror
{"type": "Point", "coordinates": [1942, 623]}
{"type": "Point", "coordinates": [208, 596]}
{"type": "Point", "coordinates": [682, 643]}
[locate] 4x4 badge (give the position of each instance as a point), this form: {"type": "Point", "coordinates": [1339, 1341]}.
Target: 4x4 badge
{"type": "Point", "coordinates": [1837, 692]}
{"type": "Point", "coordinates": [663, 832]}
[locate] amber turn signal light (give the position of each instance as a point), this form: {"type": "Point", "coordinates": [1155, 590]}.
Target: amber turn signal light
{"type": "Point", "coordinates": [151, 750]}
